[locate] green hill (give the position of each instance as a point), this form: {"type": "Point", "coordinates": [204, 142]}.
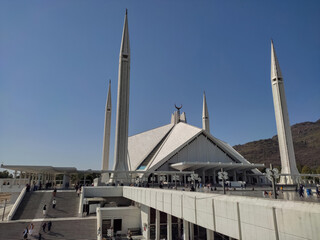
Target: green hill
{"type": "Point", "coordinates": [306, 141]}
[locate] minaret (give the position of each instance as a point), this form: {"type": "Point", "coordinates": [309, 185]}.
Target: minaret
{"type": "Point", "coordinates": [205, 115]}
{"type": "Point", "coordinates": [122, 122]}
{"type": "Point", "coordinates": [106, 137]}
{"type": "Point", "coordinates": [288, 161]}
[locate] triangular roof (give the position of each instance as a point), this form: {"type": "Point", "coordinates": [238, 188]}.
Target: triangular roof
{"type": "Point", "coordinates": [181, 134]}
{"type": "Point", "coordinates": [157, 146]}
{"type": "Point", "coordinates": [142, 144]}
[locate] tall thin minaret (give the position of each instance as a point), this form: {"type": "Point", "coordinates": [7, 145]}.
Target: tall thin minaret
{"type": "Point", "coordinates": [106, 137]}
{"type": "Point", "coordinates": [205, 115]}
{"type": "Point", "coordinates": [288, 160]}
{"type": "Point", "coordinates": [122, 122]}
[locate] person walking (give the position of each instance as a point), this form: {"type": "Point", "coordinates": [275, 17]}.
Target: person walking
{"type": "Point", "coordinates": [25, 233]}
{"type": "Point", "coordinates": [44, 211]}
{"type": "Point", "coordinates": [49, 226]}
{"type": "Point", "coordinates": [54, 202]}
{"type": "Point", "coordinates": [44, 225]}
{"type": "Point", "coordinates": [79, 191]}
{"type": "Point", "coordinates": [31, 227]}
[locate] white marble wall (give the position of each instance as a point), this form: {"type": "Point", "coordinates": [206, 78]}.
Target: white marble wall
{"type": "Point", "coordinates": [236, 216]}
{"type": "Point", "coordinates": [103, 191]}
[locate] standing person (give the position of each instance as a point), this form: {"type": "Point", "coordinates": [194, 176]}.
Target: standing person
{"type": "Point", "coordinates": [44, 211]}
{"type": "Point", "coordinates": [54, 193]}
{"type": "Point", "coordinates": [301, 190]}
{"type": "Point", "coordinates": [25, 233]}
{"type": "Point", "coordinates": [129, 235]}
{"type": "Point", "coordinates": [49, 226]}
{"type": "Point", "coordinates": [317, 191]}
{"type": "Point", "coordinates": [31, 227]}
{"type": "Point", "coordinates": [79, 191]}
{"type": "Point", "coordinates": [44, 225]}
{"type": "Point", "coordinates": [54, 202]}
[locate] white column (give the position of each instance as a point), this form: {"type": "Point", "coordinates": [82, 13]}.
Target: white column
{"type": "Point", "coordinates": [99, 224]}
{"type": "Point", "coordinates": [169, 227]}
{"type": "Point", "coordinates": [191, 225]}
{"type": "Point", "coordinates": [20, 177]}
{"type": "Point", "coordinates": [157, 225]}
{"type": "Point", "coordinates": [38, 179]}
{"type": "Point", "coordinates": [203, 177]}
{"type": "Point", "coordinates": [210, 234]}
{"type": "Point", "coordinates": [82, 194]}
{"type": "Point", "coordinates": [179, 228]}
{"type": "Point", "coordinates": [186, 230]}
{"type": "Point", "coordinates": [145, 221]}
{"type": "Point", "coordinates": [55, 179]}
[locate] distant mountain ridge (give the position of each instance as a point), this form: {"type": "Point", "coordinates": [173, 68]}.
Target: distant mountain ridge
{"type": "Point", "coordinates": [306, 141]}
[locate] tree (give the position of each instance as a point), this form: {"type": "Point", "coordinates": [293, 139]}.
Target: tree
{"type": "Point", "coordinates": [5, 174]}
{"type": "Point", "coordinates": [306, 170]}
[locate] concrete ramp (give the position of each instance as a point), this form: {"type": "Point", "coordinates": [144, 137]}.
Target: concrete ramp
{"type": "Point", "coordinates": [32, 205]}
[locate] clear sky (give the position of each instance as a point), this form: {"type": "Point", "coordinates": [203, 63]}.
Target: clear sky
{"type": "Point", "coordinates": [56, 58]}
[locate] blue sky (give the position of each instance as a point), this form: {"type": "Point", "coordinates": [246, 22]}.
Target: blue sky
{"type": "Point", "coordinates": [56, 58]}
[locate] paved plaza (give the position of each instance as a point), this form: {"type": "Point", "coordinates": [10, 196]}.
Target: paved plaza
{"type": "Point", "coordinates": [61, 229]}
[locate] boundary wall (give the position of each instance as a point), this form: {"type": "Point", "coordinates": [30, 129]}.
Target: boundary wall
{"type": "Point", "coordinates": [16, 204]}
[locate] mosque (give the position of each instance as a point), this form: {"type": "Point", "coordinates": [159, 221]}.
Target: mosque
{"type": "Point", "coordinates": [177, 153]}
{"type": "Point", "coordinates": [175, 147]}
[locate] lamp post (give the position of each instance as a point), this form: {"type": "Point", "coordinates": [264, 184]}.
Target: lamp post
{"type": "Point", "coordinates": [175, 178]}
{"type": "Point", "coordinates": [273, 174]}
{"type": "Point", "coordinates": [194, 177]}
{"type": "Point", "coordinates": [223, 176]}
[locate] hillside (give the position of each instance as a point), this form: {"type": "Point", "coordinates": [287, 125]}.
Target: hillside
{"type": "Point", "coordinates": [306, 141]}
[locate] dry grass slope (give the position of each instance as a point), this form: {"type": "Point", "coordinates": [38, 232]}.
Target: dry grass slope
{"type": "Point", "coordinates": [306, 140]}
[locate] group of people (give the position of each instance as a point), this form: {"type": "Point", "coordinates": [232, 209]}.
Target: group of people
{"type": "Point", "coordinates": [28, 231]}
{"type": "Point", "coordinates": [35, 187]}
{"type": "Point", "coordinates": [301, 191]}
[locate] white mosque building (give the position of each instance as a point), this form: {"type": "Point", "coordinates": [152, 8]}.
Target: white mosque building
{"type": "Point", "coordinates": [182, 153]}
{"type": "Point", "coordinates": [177, 146]}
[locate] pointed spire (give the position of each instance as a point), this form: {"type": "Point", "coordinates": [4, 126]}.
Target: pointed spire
{"type": "Point", "coordinates": [108, 105]}
{"type": "Point", "coordinates": [275, 67]}
{"type": "Point", "coordinates": [106, 136]}
{"type": "Point", "coordinates": [125, 46]}
{"type": "Point", "coordinates": [122, 119]}
{"type": "Point", "coordinates": [205, 115]}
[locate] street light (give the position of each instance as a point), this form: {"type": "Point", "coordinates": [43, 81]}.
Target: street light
{"type": "Point", "coordinates": [223, 176]}
{"type": "Point", "coordinates": [194, 177]}
{"type": "Point", "coordinates": [272, 174]}
{"type": "Point", "coordinates": [162, 178]}
{"type": "Point", "coordinates": [153, 178]}
{"type": "Point", "coordinates": [175, 178]}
